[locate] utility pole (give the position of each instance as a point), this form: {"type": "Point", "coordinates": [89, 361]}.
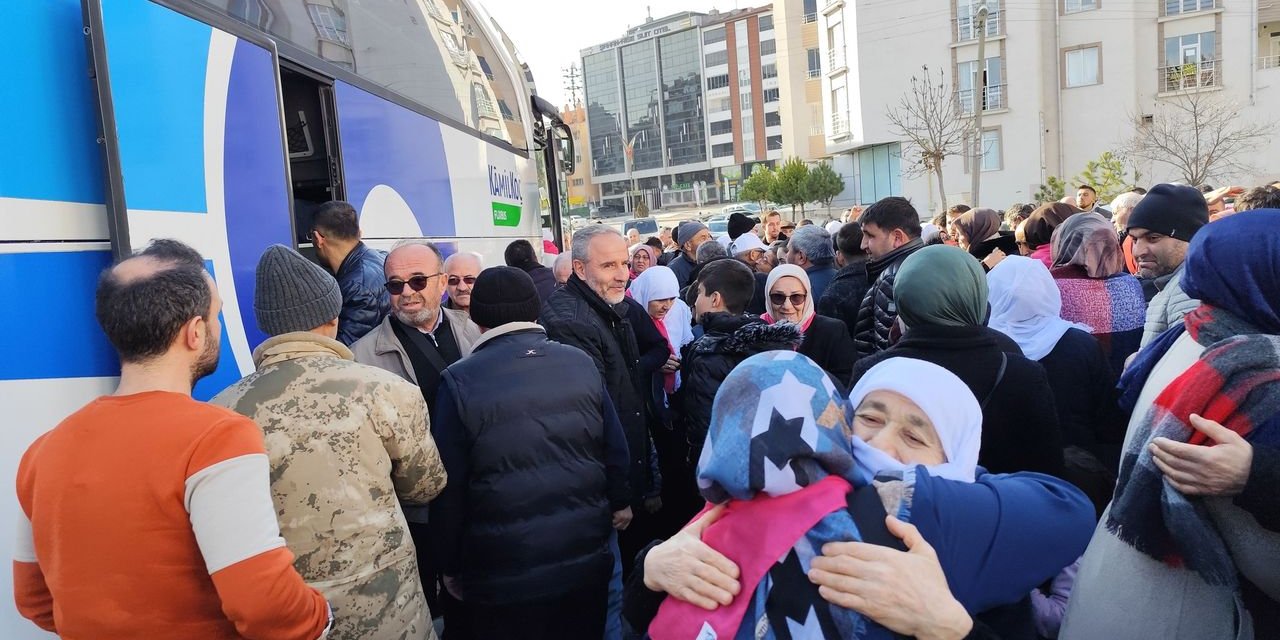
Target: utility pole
{"type": "Point", "coordinates": [571, 76]}
{"type": "Point", "coordinates": [979, 104]}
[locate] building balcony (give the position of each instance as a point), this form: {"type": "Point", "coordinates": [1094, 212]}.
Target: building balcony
{"type": "Point", "coordinates": [994, 98]}
{"type": "Point", "coordinates": [967, 26]}
{"type": "Point", "coordinates": [814, 74]}
{"type": "Point", "coordinates": [1269, 62]}
{"type": "Point", "coordinates": [810, 17]}
{"type": "Point", "coordinates": [1170, 8]}
{"type": "Point", "coordinates": [1191, 75]}
{"type": "Point", "coordinates": [839, 127]}
{"type": "Point", "coordinates": [835, 60]}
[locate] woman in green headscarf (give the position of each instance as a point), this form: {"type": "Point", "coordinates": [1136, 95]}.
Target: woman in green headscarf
{"type": "Point", "coordinates": [941, 296]}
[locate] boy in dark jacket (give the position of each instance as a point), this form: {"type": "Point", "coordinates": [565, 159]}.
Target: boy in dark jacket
{"type": "Point", "coordinates": [729, 337]}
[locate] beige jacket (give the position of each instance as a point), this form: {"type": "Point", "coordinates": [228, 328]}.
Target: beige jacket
{"type": "Point", "coordinates": [347, 442]}
{"type": "Point", "coordinates": [382, 349]}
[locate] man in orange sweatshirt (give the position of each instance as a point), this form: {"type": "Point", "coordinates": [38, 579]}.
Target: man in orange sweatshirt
{"type": "Point", "coordinates": [147, 514]}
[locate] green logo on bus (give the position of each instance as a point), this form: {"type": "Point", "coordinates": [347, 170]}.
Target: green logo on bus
{"type": "Point", "coordinates": [506, 215]}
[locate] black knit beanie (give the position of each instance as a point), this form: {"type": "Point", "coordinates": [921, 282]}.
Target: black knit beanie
{"type": "Point", "coordinates": [739, 224]}
{"type": "Point", "coordinates": [502, 295]}
{"type": "Point", "coordinates": [1172, 210]}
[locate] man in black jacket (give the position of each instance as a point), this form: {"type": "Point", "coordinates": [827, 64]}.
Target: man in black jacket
{"type": "Point", "coordinates": [537, 468]}
{"type": "Point", "coordinates": [890, 233]}
{"type": "Point", "coordinates": [844, 295]}
{"type": "Point", "coordinates": [589, 312]}
{"type": "Point", "coordinates": [520, 254]}
{"type": "Point", "coordinates": [729, 337]}
{"type": "Point", "coordinates": [335, 232]}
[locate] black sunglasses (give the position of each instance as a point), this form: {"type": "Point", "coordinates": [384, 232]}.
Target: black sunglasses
{"type": "Point", "coordinates": [779, 299]}
{"type": "Point", "coordinates": [417, 283]}
{"type": "Point", "coordinates": [456, 280]}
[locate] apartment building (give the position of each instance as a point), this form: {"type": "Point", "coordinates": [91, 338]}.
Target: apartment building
{"type": "Point", "coordinates": [679, 109]}
{"type": "Point", "coordinates": [580, 189]}
{"type": "Point", "coordinates": [1065, 81]}
{"type": "Point", "coordinates": [800, 79]}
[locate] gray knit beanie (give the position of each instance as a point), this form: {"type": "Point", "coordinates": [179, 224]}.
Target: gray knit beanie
{"type": "Point", "coordinates": [293, 293]}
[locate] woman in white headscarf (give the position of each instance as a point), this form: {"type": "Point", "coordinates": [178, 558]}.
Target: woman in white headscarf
{"type": "Point", "coordinates": [1026, 305]}
{"type": "Point", "coordinates": [827, 341]}
{"type": "Point", "coordinates": [658, 291]}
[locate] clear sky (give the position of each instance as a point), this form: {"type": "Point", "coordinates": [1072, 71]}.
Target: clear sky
{"type": "Point", "coordinates": [549, 35]}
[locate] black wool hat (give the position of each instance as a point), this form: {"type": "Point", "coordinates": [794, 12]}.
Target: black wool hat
{"type": "Point", "coordinates": [1172, 210]}
{"type": "Point", "coordinates": [739, 224]}
{"type": "Point", "coordinates": [502, 295]}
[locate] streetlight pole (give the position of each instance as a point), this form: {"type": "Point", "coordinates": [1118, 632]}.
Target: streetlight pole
{"type": "Point", "coordinates": [979, 104]}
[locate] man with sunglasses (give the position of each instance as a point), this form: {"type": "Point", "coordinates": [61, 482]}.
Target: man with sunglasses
{"type": "Point", "coordinates": [335, 234]}
{"type": "Point", "coordinates": [417, 341]}
{"type": "Point", "coordinates": [461, 270]}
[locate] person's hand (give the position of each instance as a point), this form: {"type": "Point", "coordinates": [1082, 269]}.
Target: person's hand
{"type": "Point", "coordinates": [905, 592]}
{"type": "Point", "coordinates": [451, 585]}
{"type": "Point", "coordinates": [1217, 196]}
{"type": "Point", "coordinates": [994, 258]}
{"type": "Point", "coordinates": [672, 365]}
{"type": "Point", "coordinates": [1195, 470]}
{"type": "Point", "coordinates": [653, 505]}
{"type": "Point", "coordinates": [685, 568]}
{"type": "Point", "coordinates": [622, 519]}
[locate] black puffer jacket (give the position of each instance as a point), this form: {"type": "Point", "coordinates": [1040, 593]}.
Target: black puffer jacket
{"type": "Point", "coordinates": [727, 341]}
{"type": "Point", "coordinates": [878, 311]}
{"type": "Point", "coordinates": [843, 297]}
{"type": "Point", "coordinates": [575, 315]}
{"type": "Point", "coordinates": [365, 302]}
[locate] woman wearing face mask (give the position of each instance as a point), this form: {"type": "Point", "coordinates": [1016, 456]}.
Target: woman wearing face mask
{"type": "Point", "coordinates": [826, 340]}
{"type": "Point", "coordinates": [779, 458]}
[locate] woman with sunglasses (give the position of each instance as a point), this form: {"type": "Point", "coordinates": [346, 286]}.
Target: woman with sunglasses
{"type": "Point", "coordinates": [826, 340]}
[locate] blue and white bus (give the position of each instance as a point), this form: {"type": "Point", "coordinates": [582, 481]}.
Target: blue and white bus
{"type": "Point", "coordinates": [222, 123]}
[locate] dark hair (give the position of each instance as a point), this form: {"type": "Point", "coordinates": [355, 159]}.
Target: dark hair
{"type": "Point", "coordinates": [849, 240]}
{"type": "Point", "coordinates": [338, 219]}
{"type": "Point", "coordinates": [1089, 187]}
{"type": "Point", "coordinates": [894, 212]}
{"type": "Point", "coordinates": [520, 254]}
{"type": "Point", "coordinates": [1205, 188]}
{"type": "Point", "coordinates": [142, 315]}
{"type": "Point", "coordinates": [1265, 197]}
{"type": "Point", "coordinates": [1138, 190]}
{"type": "Point", "coordinates": [959, 209]}
{"type": "Point", "coordinates": [772, 212]}
{"type": "Point", "coordinates": [806, 222]}
{"type": "Point", "coordinates": [733, 280]}
{"type": "Point", "coordinates": [1017, 213]}
{"type": "Point", "coordinates": [655, 242]}
{"type": "Point", "coordinates": [1096, 480]}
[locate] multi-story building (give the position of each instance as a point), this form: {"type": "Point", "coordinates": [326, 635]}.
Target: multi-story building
{"type": "Point", "coordinates": [1065, 81]}
{"type": "Point", "coordinates": [800, 79]}
{"type": "Point", "coordinates": [679, 109]}
{"type": "Point", "coordinates": [581, 190]}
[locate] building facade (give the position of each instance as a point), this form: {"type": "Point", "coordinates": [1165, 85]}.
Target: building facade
{"type": "Point", "coordinates": [1065, 81]}
{"type": "Point", "coordinates": [800, 79]}
{"type": "Point", "coordinates": [680, 109]}
{"type": "Point", "coordinates": [581, 190]}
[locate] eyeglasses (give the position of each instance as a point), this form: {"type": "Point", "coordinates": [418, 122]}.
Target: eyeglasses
{"type": "Point", "coordinates": [417, 283]}
{"type": "Point", "coordinates": [779, 299]}
{"type": "Point", "coordinates": [456, 280]}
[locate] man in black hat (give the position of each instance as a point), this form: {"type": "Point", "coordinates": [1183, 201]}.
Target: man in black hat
{"type": "Point", "coordinates": [1162, 225]}
{"type": "Point", "coordinates": [690, 235]}
{"type": "Point", "coordinates": [537, 472]}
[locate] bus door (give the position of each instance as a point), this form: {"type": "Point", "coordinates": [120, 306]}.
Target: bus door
{"type": "Point", "coordinates": [192, 135]}
{"type": "Point", "coordinates": [554, 140]}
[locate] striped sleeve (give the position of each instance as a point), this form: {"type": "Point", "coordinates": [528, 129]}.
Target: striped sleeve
{"type": "Point", "coordinates": [228, 499]}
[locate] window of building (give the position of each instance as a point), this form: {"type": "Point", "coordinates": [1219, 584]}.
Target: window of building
{"type": "Point", "coordinates": [717, 82]}
{"type": "Point", "coordinates": [484, 104]}
{"type": "Point", "coordinates": [721, 127]}
{"type": "Point", "coordinates": [768, 47]}
{"type": "Point", "coordinates": [967, 19]}
{"type": "Point", "coordinates": [769, 70]}
{"type": "Point", "coordinates": [255, 12]}
{"type": "Point", "coordinates": [773, 143]}
{"type": "Point", "coordinates": [770, 95]}
{"type": "Point", "coordinates": [1178, 7]}
{"type": "Point", "coordinates": [744, 101]}
{"type": "Point", "coordinates": [810, 11]}
{"type": "Point", "coordinates": [712, 36]}
{"type": "Point", "coordinates": [969, 81]}
{"type": "Point", "coordinates": [683, 119]}
{"type": "Point", "coordinates": [1076, 6]}
{"type": "Point", "coordinates": [1082, 67]}
{"type": "Point", "coordinates": [835, 42]}
{"type": "Point", "coordinates": [1190, 61]}
{"type": "Point", "coordinates": [330, 22]}
{"type": "Point", "coordinates": [992, 158]}
{"type": "Point", "coordinates": [878, 172]}
{"type": "Point", "coordinates": [766, 22]}
{"type": "Point", "coordinates": [815, 62]}
{"type": "Point", "coordinates": [717, 57]}
{"type": "Point", "coordinates": [722, 150]}
{"type": "Point", "coordinates": [724, 104]}
{"type": "Point", "coordinates": [578, 182]}
{"type": "Point", "coordinates": [772, 119]}
{"type": "Point", "coordinates": [815, 119]}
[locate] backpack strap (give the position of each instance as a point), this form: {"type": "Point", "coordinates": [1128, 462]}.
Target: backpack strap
{"type": "Point", "coordinates": [1004, 363]}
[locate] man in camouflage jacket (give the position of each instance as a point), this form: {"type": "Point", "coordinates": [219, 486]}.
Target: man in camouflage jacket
{"type": "Point", "coordinates": [347, 442]}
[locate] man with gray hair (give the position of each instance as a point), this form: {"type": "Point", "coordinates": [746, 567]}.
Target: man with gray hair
{"type": "Point", "coordinates": [707, 252]}
{"type": "Point", "coordinates": [811, 249]}
{"type": "Point", "coordinates": [1121, 207]}
{"type": "Point", "coordinates": [563, 268]}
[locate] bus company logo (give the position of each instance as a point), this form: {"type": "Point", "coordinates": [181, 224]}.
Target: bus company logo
{"type": "Point", "coordinates": [505, 185]}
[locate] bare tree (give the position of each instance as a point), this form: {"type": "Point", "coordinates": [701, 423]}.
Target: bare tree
{"type": "Point", "coordinates": [931, 121]}
{"type": "Point", "coordinates": [1203, 136]}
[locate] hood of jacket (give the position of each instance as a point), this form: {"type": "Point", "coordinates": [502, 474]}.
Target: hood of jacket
{"type": "Point", "coordinates": [747, 335]}
{"type": "Point", "coordinates": [298, 344]}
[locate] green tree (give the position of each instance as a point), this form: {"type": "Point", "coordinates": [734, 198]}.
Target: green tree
{"type": "Point", "coordinates": [1053, 190]}
{"type": "Point", "coordinates": [791, 184]}
{"type": "Point", "coordinates": [758, 186]}
{"type": "Point", "coordinates": [1106, 175]}
{"type": "Point", "coordinates": [823, 184]}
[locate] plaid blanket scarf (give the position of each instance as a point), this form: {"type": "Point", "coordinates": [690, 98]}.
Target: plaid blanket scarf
{"type": "Point", "coordinates": [1236, 382]}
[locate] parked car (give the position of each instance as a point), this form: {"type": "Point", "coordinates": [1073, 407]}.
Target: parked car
{"type": "Point", "coordinates": [646, 226]}
{"type": "Point", "coordinates": [607, 211]}
{"type": "Point", "coordinates": [719, 225]}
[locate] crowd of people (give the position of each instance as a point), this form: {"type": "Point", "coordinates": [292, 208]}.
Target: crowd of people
{"type": "Point", "coordinates": [1062, 421]}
